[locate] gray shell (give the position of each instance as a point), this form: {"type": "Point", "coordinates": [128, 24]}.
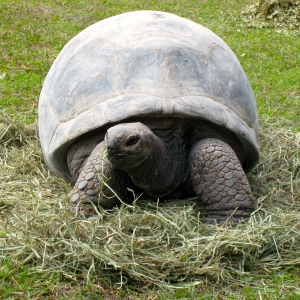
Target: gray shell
{"type": "Point", "coordinates": [143, 63]}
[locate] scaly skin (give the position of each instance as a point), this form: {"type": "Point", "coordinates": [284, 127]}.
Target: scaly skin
{"type": "Point", "coordinates": [90, 189]}
{"type": "Point", "coordinates": [220, 182]}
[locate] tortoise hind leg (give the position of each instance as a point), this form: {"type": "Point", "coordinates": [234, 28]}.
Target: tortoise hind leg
{"type": "Point", "coordinates": [220, 182]}
{"type": "Point", "coordinates": [98, 184]}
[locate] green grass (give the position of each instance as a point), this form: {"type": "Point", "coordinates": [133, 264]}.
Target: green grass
{"type": "Point", "coordinates": [18, 282]}
{"type": "Point", "coordinates": [32, 34]}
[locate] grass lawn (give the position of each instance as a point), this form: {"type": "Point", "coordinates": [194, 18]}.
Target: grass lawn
{"type": "Point", "coordinates": [47, 254]}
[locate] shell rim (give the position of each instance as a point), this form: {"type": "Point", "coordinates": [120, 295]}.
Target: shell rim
{"type": "Point", "coordinates": [56, 154]}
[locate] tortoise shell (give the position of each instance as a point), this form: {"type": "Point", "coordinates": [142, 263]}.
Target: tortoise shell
{"type": "Point", "coordinates": [143, 64]}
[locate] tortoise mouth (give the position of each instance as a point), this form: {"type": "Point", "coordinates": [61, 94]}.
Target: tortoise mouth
{"type": "Point", "coordinates": [127, 145]}
{"type": "Point", "coordinates": [127, 160]}
{"type": "Point", "coordinates": [140, 159]}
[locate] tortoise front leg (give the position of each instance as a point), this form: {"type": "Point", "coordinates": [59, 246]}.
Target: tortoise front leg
{"type": "Point", "coordinates": [220, 182]}
{"type": "Point", "coordinates": [99, 184]}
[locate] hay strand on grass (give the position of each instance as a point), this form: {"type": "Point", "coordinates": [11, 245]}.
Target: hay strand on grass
{"type": "Point", "coordinates": [284, 15]}
{"type": "Point", "coordinates": [148, 242]}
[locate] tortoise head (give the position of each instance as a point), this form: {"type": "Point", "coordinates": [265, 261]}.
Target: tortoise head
{"type": "Point", "coordinates": [128, 145]}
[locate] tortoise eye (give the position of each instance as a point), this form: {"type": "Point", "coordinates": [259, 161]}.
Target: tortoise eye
{"type": "Point", "coordinates": [132, 141]}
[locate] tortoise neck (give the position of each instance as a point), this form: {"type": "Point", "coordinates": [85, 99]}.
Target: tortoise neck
{"type": "Point", "coordinates": [163, 169]}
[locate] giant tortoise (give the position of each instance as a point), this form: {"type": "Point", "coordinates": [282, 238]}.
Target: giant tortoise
{"type": "Point", "coordinates": [156, 103]}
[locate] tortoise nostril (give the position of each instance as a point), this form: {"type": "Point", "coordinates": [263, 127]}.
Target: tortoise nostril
{"type": "Point", "coordinates": [112, 144]}
{"type": "Point", "coordinates": [132, 141]}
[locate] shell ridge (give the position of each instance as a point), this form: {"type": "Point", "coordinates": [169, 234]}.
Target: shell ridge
{"type": "Point", "coordinates": [207, 59]}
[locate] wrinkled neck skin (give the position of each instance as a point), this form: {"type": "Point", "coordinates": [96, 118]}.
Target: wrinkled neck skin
{"type": "Point", "coordinates": [161, 172]}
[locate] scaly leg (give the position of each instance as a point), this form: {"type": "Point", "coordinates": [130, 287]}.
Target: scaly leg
{"type": "Point", "coordinates": [91, 186]}
{"type": "Point", "coordinates": [220, 182]}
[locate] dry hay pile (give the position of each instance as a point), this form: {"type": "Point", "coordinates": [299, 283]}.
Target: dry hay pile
{"type": "Point", "coordinates": [148, 242]}
{"type": "Point", "coordinates": [281, 14]}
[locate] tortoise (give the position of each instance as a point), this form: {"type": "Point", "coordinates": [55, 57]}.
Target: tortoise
{"type": "Point", "coordinates": [153, 102]}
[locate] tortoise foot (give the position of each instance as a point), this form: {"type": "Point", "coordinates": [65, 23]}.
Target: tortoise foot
{"type": "Point", "coordinates": [98, 184]}
{"type": "Point", "coordinates": [220, 182]}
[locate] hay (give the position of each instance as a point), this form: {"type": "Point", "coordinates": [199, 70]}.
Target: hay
{"type": "Point", "coordinates": [164, 244]}
{"type": "Point", "coordinates": [283, 15]}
